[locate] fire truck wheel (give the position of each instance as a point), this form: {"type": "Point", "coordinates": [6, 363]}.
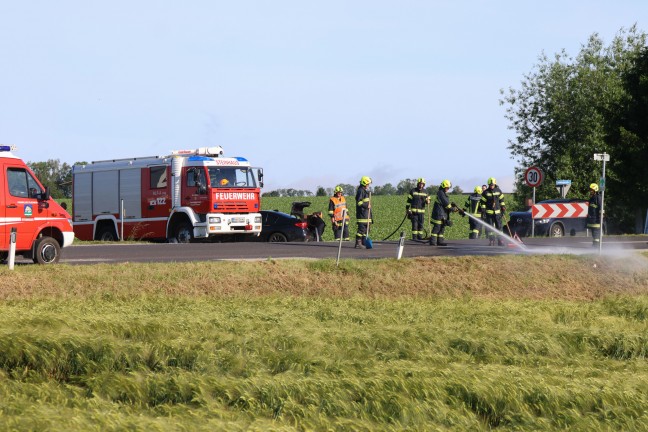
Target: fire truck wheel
{"type": "Point", "coordinates": [46, 251]}
{"type": "Point", "coordinates": [107, 233]}
{"type": "Point", "coordinates": [184, 232]}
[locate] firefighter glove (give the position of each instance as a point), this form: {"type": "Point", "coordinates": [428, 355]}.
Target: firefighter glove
{"type": "Point", "coordinates": [448, 222]}
{"type": "Point", "coordinates": [503, 209]}
{"type": "Point", "coordinates": [461, 212]}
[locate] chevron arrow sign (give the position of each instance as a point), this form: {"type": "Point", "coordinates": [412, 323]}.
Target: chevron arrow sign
{"type": "Point", "coordinates": [559, 210]}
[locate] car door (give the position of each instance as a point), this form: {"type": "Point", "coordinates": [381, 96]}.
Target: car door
{"type": "Point", "coordinates": [22, 209]}
{"type": "Point", "coordinates": [4, 229]}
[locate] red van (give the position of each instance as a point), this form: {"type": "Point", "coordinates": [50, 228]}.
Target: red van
{"type": "Point", "coordinates": [42, 226]}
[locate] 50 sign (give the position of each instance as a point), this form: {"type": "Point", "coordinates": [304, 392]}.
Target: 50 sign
{"type": "Point", "coordinates": [533, 176]}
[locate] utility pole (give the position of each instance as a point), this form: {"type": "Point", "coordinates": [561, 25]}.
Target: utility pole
{"type": "Point", "coordinates": [602, 157]}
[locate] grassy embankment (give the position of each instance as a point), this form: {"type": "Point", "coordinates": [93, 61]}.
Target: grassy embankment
{"type": "Point", "coordinates": [534, 343]}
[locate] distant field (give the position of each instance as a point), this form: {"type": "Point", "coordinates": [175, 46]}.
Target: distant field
{"type": "Point", "coordinates": [472, 343]}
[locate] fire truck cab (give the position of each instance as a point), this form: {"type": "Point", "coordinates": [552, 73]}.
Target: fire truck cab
{"type": "Point", "coordinates": [42, 227]}
{"type": "Point", "coordinates": [187, 195]}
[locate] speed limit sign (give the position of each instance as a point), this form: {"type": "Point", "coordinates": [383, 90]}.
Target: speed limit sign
{"type": "Point", "coordinates": [533, 176]}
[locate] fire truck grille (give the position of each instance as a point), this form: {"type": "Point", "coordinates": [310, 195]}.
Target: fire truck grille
{"type": "Point", "coordinates": [232, 207]}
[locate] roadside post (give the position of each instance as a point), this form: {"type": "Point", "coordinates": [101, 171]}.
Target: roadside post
{"type": "Point", "coordinates": [533, 178]}
{"type": "Point", "coordinates": [12, 248]}
{"type": "Point", "coordinates": [604, 157]}
{"type": "Point", "coordinates": [122, 215]}
{"type": "Point", "coordinates": [344, 212]}
{"type": "Point", "coordinates": [401, 245]}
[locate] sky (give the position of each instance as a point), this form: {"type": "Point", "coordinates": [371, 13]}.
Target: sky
{"type": "Point", "coordinates": [316, 93]}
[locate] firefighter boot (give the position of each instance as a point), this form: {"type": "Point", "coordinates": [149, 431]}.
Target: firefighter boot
{"type": "Point", "coordinates": [358, 244]}
{"type": "Point", "coordinates": [491, 241]}
{"type": "Point", "coordinates": [441, 242]}
{"type": "Point", "coordinates": [472, 236]}
{"type": "Point", "coordinates": [433, 240]}
{"type": "Point", "coordinates": [419, 237]}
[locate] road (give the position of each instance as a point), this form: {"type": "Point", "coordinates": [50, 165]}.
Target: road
{"type": "Point", "coordinates": [163, 252]}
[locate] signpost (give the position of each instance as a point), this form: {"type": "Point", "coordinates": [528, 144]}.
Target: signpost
{"type": "Point", "coordinates": [533, 178]}
{"type": "Point", "coordinates": [604, 157]}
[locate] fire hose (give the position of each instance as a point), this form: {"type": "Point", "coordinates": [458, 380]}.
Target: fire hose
{"type": "Point", "coordinates": [397, 228]}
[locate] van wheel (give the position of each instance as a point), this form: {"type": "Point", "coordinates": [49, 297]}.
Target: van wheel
{"type": "Point", "coordinates": [184, 232]}
{"type": "Point", "coordinates": [107, 234]}
{"type": "Point", "coordinates": [46, 251]}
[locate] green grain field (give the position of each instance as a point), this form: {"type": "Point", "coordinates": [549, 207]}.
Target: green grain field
{"type": "Point", "coordinates": [487, 343]}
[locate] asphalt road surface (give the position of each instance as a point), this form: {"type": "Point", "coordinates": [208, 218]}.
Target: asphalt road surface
{"type": "Point", "coordinates": [164, 252]}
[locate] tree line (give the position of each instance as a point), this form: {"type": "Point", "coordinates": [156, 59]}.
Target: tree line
{"type": "Point", "coordinates": [57, 176]}
{"type": "Point", "coordinates": [402, 188]}
{"type": "Point", "coordinates": [569, 108]}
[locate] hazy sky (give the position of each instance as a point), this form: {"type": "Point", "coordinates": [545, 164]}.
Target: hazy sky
{"type": "Point", "coordinates": [317, 93]}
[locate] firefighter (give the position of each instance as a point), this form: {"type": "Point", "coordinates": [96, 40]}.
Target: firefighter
{"type": "Point", "coordinates": [337, 205]}
{"type": "Point", "coordinates": [363, 211]}
{"type": "Point", "coordinates": [473, 208]}
{"type": "Point", "coordinates": [417, 200]}
{"type": "Point", "coordinates": [594, 214]}
{"type": "Point", "coordinates": [441, 214]}
{"type": "Point", "coordinates": [493, 207]}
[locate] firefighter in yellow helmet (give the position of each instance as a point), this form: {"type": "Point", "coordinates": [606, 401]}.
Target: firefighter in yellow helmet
{"type": "Point", "coordinates": [441, 214]}
{"type": "Point", "coordinates": [363, 211]}
{"type": "Point", "coordinates": [417, 200]}
{"type": "Point", "coordinates": [473, 208]}
{"type": "Point", "coordinates": [336, 209]}
{"type": "Point", "coordinates": [493, 207]}
{"type": "Point", "coordinates": [594, 214]}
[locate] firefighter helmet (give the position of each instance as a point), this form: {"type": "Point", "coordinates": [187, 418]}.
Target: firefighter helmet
{"type": "Point", "coordinates": [594, 187]}
{"type": "Point", "coordinates": [491, 180]}
{"type": "Point", "coordinates": [224, 182]}
{"type": "Point", "coordinates": [478, 189]}
{"type": "Point", "coordinates": [420, 180]}
{"type": "Point", "coordinates": [365, 181]}
{"type": "Point", "coordinates": [446, 184]}
{"type": "Point", "coordinates": [338, 189]}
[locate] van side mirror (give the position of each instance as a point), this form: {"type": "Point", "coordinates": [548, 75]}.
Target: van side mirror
{"type": "Point", "coordinates": [260, 177]}
{"type": "Point", "coordinates": [45, 196]}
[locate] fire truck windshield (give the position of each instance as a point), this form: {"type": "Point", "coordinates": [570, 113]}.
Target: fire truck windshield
{"type": "Point", "coordinates": [227, 177]}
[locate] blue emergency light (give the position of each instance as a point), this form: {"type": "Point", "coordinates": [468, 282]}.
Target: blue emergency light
{"type": "Point", "coordinates": [7, 148]}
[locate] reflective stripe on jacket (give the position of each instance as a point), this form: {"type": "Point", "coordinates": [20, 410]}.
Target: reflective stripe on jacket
{"type": "Point", "coordinates": [473, 204]}
{"type": "Point", "coordinates": [492, 200]}
{"type": "Point", "coordinates": [336, 207]}
{"type": "Point", "coordinates": [594, 211]}
{"type": "Point", "coordinates": [362, 205]}
{"type": "Point", "coordinates": [416, 200]}
{"type": "Point", "coordinates": [442, 207]}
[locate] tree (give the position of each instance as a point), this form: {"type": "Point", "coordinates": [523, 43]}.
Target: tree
{"type": "Point", "coordinates": [349, 190]}
{"type": "Point", "coordinates": [457, 190]}
{"type": "Point", "coordinates": [386, 189]}
{"type": "Point", "coordinates": [628, 136]}
{"type": "Point", "coordinates": [405, 185]}
{"type": "Point", "coordinates": [561, 112]}
{"type": "Point", "coordinates": [55, 175]}
{"type": "Point", "coordinates": [321, 191]}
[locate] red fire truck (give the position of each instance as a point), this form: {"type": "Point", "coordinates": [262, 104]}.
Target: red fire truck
{"type": "Point", "coordinates": [190, 194]}
{"type": "Point", "coordinates": [40, 224]}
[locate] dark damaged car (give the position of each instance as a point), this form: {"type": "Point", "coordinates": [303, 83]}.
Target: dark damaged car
{"type": "Point", "coordinates": [558, 218]}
